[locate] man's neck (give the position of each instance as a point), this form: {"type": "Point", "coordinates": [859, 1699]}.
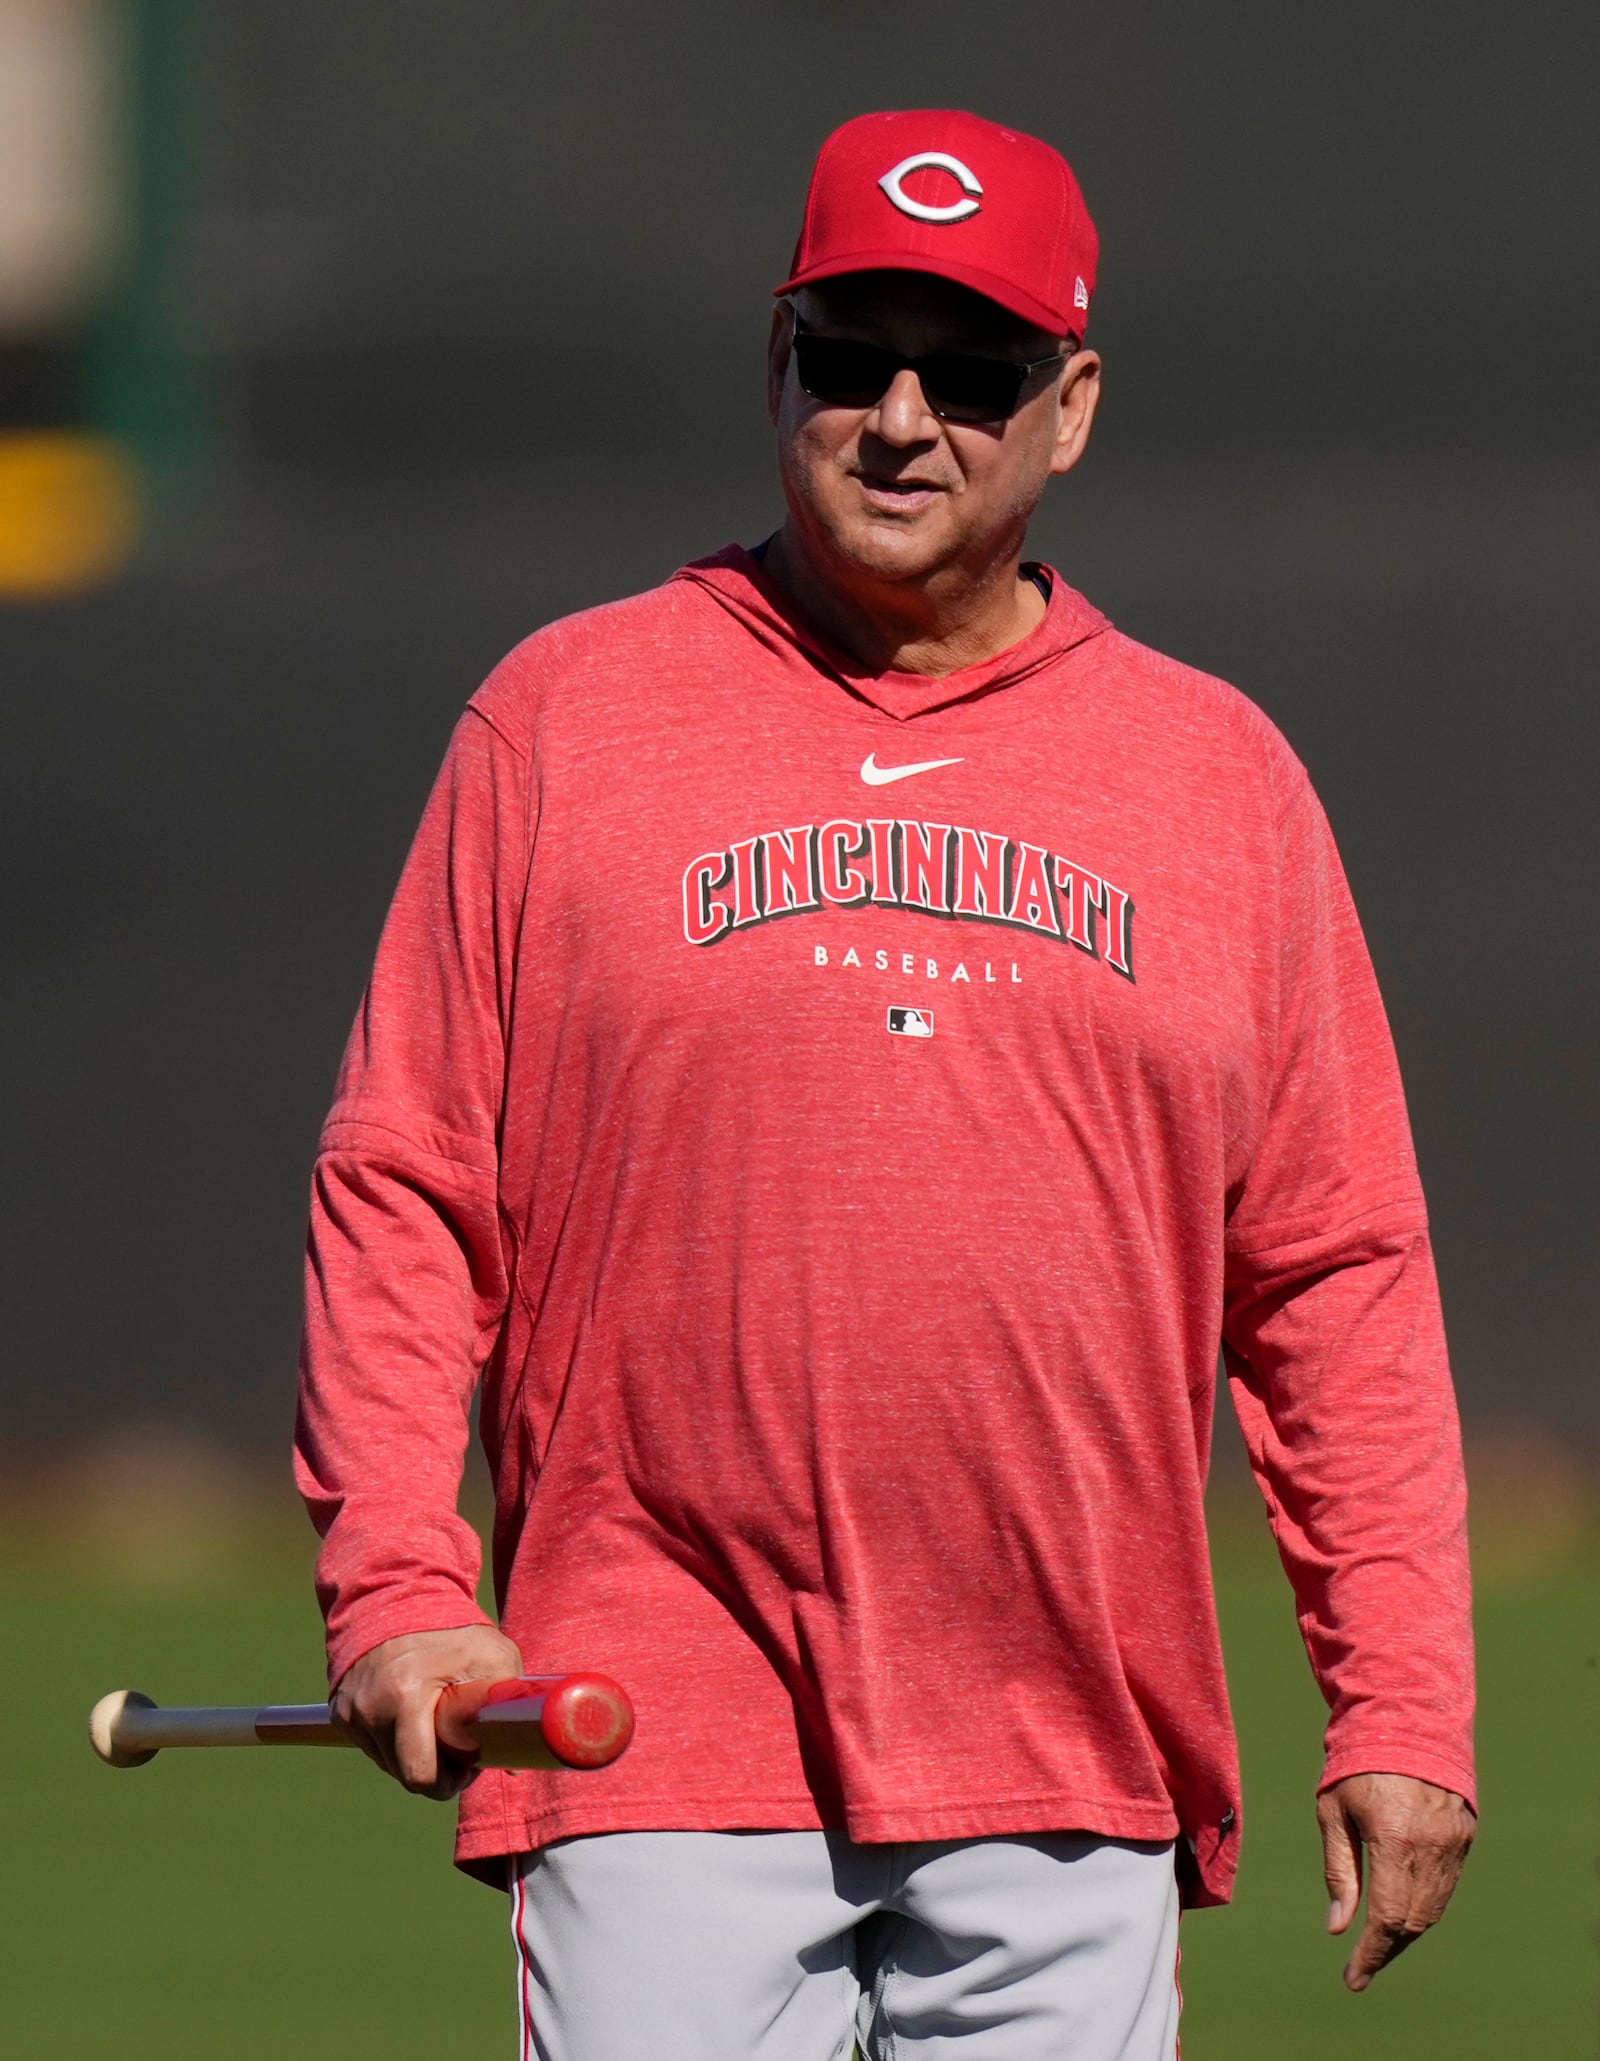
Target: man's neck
{"type": "Point", "coordinates": [934, 628]}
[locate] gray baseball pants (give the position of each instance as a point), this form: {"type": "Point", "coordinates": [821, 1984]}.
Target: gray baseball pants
{"type": "Point", "coordinates": [788, 1946]}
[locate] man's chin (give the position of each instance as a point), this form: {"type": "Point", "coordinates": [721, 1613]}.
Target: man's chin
{"type": "Point", "coordinates": [896, 548]}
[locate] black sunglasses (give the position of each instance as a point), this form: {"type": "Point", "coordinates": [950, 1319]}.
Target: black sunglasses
{"type": "Point", "coordinates": [958, 386]}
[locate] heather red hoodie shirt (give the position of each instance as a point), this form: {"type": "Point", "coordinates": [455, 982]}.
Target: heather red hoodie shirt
{"type": "Point", "coordinates": [837, 1116]}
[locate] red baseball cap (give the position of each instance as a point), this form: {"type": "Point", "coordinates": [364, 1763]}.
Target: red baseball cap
{"type": "Point", "coordinates": [946, 192]}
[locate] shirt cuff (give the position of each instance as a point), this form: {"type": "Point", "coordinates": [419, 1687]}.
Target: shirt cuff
{"type": "Point", "coordinates": [1396, 1756]}
{"type": "Point", "coordinates": [377, 1619]}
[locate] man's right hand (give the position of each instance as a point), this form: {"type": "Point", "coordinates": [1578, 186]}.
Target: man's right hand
{"type": "Point", "coordinates": [385, 1702]}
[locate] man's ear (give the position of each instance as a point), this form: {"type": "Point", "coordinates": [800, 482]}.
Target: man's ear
{"type": "Point", "coordinates": [777, 360]}
{"type": "Point", "coordinates": [1080, 396]}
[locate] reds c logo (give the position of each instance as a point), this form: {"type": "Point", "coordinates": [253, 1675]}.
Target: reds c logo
{"type": "Point", "coordinates": [933, 161]}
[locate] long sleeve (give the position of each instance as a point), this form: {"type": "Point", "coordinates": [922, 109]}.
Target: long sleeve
{"type": "Point", "coordinates": [406, 1277]}
{"type": "Point", "coordinates": [1335, 1347]}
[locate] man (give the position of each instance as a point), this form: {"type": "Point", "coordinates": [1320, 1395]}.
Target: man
{"type": "Point", "coordinates": [842, 1194]}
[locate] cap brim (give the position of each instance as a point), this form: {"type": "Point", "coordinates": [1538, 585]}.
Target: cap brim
{"type": "Point", "coordinates": [1014, 299]}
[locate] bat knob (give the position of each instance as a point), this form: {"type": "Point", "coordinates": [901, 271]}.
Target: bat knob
{"type": "Point", "coordinates": [105, 1721]}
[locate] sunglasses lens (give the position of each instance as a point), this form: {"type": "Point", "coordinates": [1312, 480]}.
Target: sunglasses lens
{"type": "Point", "coordinates": [842, 373]}
{"type": "Point", "coordinates": [966, 389]}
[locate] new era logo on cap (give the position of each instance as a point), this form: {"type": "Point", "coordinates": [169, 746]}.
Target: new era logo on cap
{"type": "Point", "coordinates": [942, 191]}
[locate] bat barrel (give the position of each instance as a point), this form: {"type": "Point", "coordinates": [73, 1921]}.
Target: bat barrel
{"type": "Point", "coordinates": [547, 1721]}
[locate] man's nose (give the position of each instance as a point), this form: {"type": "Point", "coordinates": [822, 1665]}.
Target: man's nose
{"type": "Point", "coordinates": [903, 415]}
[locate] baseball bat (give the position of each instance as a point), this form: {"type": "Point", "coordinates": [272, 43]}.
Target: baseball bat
{"type": "Point", "coordinates": [530, 1721]}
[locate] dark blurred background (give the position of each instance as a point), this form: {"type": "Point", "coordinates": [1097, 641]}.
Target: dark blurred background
{"type": "Point", "coordinates": [342, 346]}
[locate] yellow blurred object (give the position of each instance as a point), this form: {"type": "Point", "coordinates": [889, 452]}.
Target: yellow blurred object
{"type": "Point", "coordinates": [69, 513]}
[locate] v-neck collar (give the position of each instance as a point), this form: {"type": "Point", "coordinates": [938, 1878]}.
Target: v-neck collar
{"type": "Point", "coordinates": [737, 580]}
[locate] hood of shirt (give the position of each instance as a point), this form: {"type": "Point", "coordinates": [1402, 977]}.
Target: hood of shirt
{"type": "Point", "coordinates": [735, 578]}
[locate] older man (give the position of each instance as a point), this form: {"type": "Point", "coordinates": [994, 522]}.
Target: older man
{"type": "Point", "coordinates": [855, 1034]}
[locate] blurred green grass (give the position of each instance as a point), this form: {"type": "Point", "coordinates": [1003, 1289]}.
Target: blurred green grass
{"type": "Point", "coordinates": [252, 1905]}
{"type": "Point", "coordinates": [1512, 1970]}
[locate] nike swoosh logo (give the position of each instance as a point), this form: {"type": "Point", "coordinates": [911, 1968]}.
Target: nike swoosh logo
{"type": "Point", "coordinates": [880, 776]}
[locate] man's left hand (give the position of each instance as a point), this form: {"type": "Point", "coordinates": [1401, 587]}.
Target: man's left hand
{"type": "Point", "coordinates": [1416, 1838]}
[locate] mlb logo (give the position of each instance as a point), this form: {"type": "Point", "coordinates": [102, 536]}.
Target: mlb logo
{"type": "Point", "coordinates": [911, 1023]}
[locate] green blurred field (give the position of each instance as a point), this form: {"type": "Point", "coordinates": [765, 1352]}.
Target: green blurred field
{"type": "Point", "coordinates": [256, 1905]}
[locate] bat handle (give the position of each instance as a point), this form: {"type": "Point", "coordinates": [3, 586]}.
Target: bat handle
{"type": "Point", "coordinates": [127, 1729]}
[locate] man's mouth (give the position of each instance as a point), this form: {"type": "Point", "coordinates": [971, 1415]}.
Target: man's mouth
{"type": "Point", "coordinates": [898, 496]}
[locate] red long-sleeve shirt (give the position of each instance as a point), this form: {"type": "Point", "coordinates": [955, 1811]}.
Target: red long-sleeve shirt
{"type": "Point", "coordinates": [841, 1184]}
